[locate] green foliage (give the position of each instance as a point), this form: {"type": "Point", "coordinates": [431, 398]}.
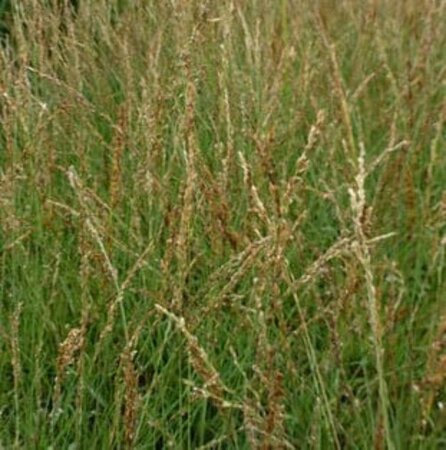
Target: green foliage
{"type": "Point", "coordinates": [222, 224]}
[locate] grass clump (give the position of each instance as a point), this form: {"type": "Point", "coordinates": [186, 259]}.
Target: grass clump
{"type": "Point", "coordinates": [222, 224]}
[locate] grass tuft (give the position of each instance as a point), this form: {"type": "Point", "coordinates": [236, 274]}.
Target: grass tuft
{"type": "Point", "coordinates": [222, 224]}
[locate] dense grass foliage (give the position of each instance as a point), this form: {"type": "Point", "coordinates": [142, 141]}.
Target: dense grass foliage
{"type": "Point", "coordinates": [223, 224]}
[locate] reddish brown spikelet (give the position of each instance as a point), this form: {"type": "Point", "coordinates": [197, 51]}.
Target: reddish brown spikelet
{"type": "Point", "coordinates": [131, 396]}
{"type": "Point", "coordinates": [274, 427]}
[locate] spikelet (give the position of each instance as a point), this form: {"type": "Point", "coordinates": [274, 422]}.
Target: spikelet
{"type": "Point", "coordinates": [361, 249]}
{"type": "Point", "coordinates": [213, 386]}
{"type": "Point", "coordinates": [67, 354]}
{"type": "Point", "coordinates": [131, 395]}
{"type": "Point", "coordinates": [183, 237]}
